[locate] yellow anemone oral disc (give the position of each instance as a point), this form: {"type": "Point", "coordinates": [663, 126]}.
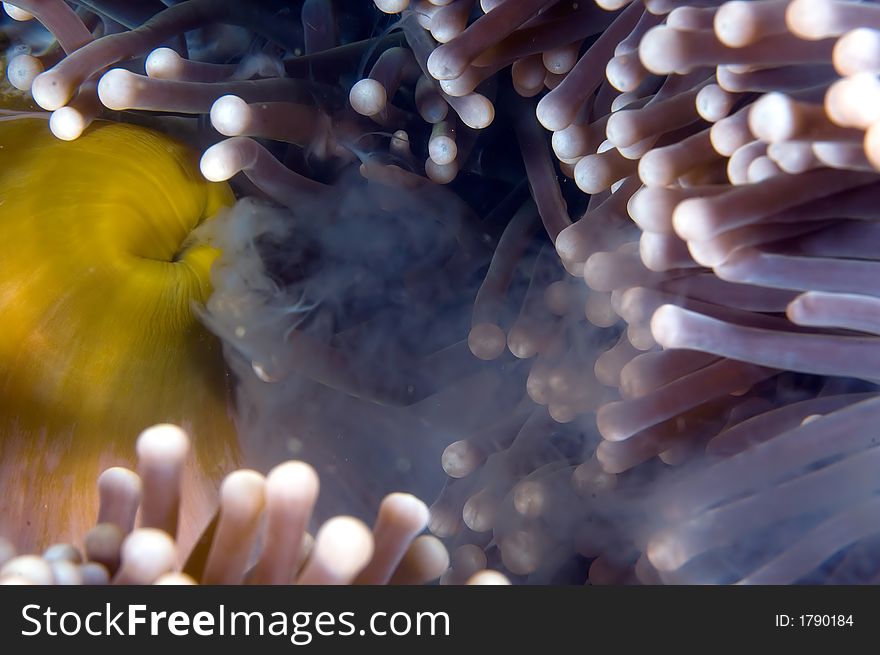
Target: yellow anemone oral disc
{"type": "Point", "coordinates": [98, 335]}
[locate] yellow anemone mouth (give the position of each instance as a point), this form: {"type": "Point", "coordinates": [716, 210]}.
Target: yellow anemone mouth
{"type": "Point", "coordinates": [98, 281]}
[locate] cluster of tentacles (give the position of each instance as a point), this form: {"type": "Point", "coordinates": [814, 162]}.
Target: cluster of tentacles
{"type": "Point", "coordinates": [666, 370]}
{"type": "Point", "coordinates": [259, 535]}
{"type": "Point", "coordinates": [728, 242]}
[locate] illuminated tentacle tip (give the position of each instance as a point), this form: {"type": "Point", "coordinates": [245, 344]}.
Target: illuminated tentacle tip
{"type": "Point", "coordinates": [460, 459]}
{"type": "Point", "coordinates": [625, 73]}
{"type": "Point", "coordinates": [391, 6]}
{"type": "Point", "coordinates": [175, 578]}
{"type": "Point", "coordinates": [119, 491]}
{"type": "Point", "coordinates": [117, 89]}
{"type": "Point", "coordinates": [666, 326]}
{"type": "Point", "coordinates": [662, 51]}
{"type": "Point", "coordinates": [161, 444]}
{"type": "Point", "coordinates": [774, 118]}
{"type": "Point", "coordinates": [739, 24]}
{"type": "Point", "coordinates": [292, 482]}
{"type": "Point", "coordinates": [401, 517]}
{"type": "Point", "coordinates": [162, 451]}
{"type": "Point", "coordinates": [475, 110]}
{"type": "Point", "coordinates": [147, 554]}
{"type": "Point", "coordinates": [22, 70]}
{"type": "Point", "coordinates": [487, 341]}
{"type": "Point", "coordinates": [857, 51]}
{"type": "Point", "coordinates": [51, 91]}
{"type": "Point", "coordinates": [488, 578]}
{"type": "Point", "coordinates": [368, 97]}
{"type": "Point", "coordinates": [343, 547]}
{"type": "Point", "coordinates": [442, 148]}
{"type": "Point", "coordinates": [242, 499]}
{"type": "Point", "coordinates": [691, 219]}
{"type": "Point", "coordinates": [480, 511]}
{"type": "Point", "coordinates": [811, 19]}
{"type": "Point", "coordinates": [665, 553]}
{"type": "Point", "coordinates": [596, 173]}
{"type": "Point", "coordinates": [224, 160]}
{"type": "Point", "coordinates": [405, 511]}
{"type": "Point", "coordinates": [613, 5]}
{"type": "Point", "coordinates": [291, 491]}
{"type": "Point", "coordinates": [31, 568]}
{"type": "Point", "coordinates": [714, 103]}
{"type": "Point", "coordinates": [853, 101]}
{"type": "Point", "coordinates": [242, 494]}
{"type": "Point", "coordinates": [68, 123]}
{"type": "Point", "coordinates": [521, 343]}
{"type": "Point", "coordinates": [15, 13]}
{"type": "Point", "coordinates": [163, 64]}
{"type": "Point", "coordinates": [230, 115]}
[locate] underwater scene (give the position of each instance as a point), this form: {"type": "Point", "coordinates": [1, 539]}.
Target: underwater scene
{"type": "Point", "coordinates": [440, 291]}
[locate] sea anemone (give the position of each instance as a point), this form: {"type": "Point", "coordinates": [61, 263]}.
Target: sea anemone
{"type": "Point", "coordinates": [608, 336]}
{"type": "Point", "coordinates": [257, 537]}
